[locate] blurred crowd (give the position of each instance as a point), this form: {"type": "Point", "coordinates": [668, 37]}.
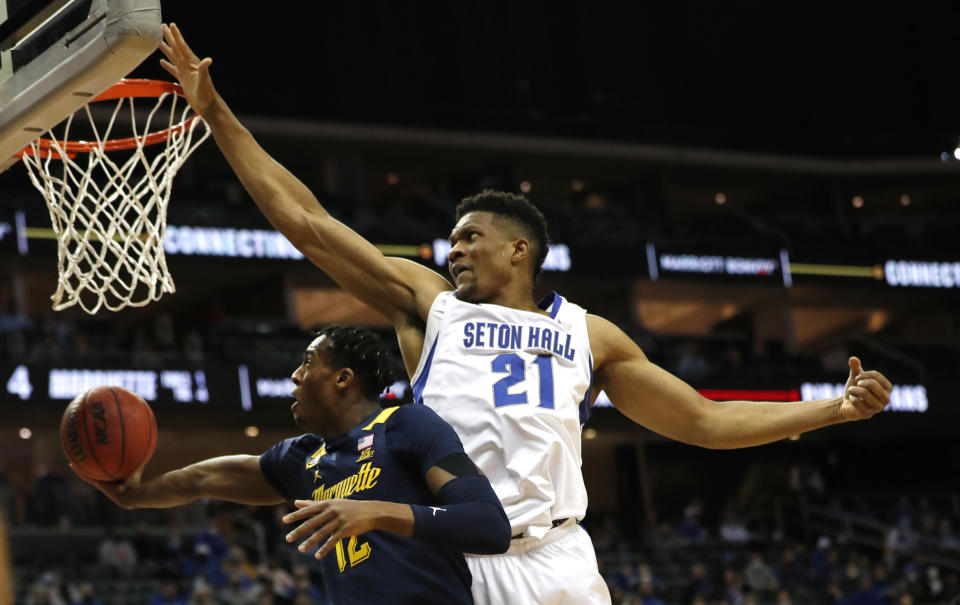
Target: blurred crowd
{"type": "Point", "coordinates": [916, 560]}
{"type": "Point", "coordinates": [808, 546]}
{"type": "Point", "coordinates": [225, 563]}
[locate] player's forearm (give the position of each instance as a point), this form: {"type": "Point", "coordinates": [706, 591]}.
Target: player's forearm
{"type": "Point", "coordinates": [394, 517]}
{"type": "Point", "coordinates": [470, 518]}
{"type": "Point", "coordinates": [170, 489]}
{"type": "Point", "coordinates": [282, 198]}
{"type": "Point", "coordinates": [232, 478]}
{"type": "Point", "coordinates": [734, 424]}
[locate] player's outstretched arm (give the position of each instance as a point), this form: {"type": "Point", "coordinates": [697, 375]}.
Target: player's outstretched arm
{"type": "Point", "coordinates": [656, 399]}
{"type": "Point", "coordinates": [232, 478]}
{"type": "Point", "coordinates": [395, 287]}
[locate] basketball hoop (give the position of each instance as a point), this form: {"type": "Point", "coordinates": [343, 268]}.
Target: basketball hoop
{"type": "Point", "coordinates": [109, 216]}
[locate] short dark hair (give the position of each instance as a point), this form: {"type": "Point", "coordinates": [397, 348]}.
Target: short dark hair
{"type": "Point", "coordinates": [517, 208]}
{"type": "Point", "coordinates": [363, 352]}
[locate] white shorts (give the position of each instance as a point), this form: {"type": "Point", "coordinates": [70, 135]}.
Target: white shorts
{"type": "Point", "coordinates": [559, 569]}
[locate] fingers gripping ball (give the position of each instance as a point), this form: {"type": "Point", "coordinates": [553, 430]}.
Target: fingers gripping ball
{"type": "Point", "coordinates": [107, 433]}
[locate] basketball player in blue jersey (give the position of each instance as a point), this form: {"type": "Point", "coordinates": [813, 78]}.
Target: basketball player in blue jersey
{"type": "Point", "coordinates": [514, 378]}
{"type": "Point", "coordinates": [387, 495]}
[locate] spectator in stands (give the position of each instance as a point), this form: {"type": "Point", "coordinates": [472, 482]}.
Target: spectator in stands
{"type": "Point", "coordinates": [193, 347]}
{"type": "Point", "coordinates": [902, 538]}
{"type": "Point", "coordinates": [164, 334]}
{"type": "Point", "coordinates": [783, 597]}
{"type": "Point", "coordinates": [951, 587]}
{"type": "Point", "coordinates": [266, 598]}
{"type": "Point", "coordinates": [853, 570]}
{"type": "Point", "coordinates": [202, 595]}
{"type": "Point", "coordinates": [864, 594]}
{"type": "Point", "coordinates": [904, 513]}
{"type": "Point", "coordinates": [733, 529]}
{"type": "Point", "coordinates": [41, 594]}
{"type": "Point", "coordinates": [277, 579]}
{"type": "Point", "coordinates": [168, 594]}
{"type": "Point", "coordinates": [305, 586]}
{"type": "Point", "coordinates": [645, 574]}
{"type": "Point", "coordinates": [665, 535]}
{"type": "Point", "coordinates": [627, 577]}
{"type": "Point", "coordinates": [204, 564]}
{"type": "Point", "coordinates": [758, 576]}
{"type": "Point", "coordinates": [732, 591]}
{"type": "Point", "coordinates": [605, 532]}
{"type": "Point", "coordinates": [144, 354]}
{"type": "Point", "coordinates": [151, 550]}
{"type": "Point", "coordinates": [617, 594]}
{"type": "Point", "coordinates": [51, 498]}
{"type": "Point", "coordinates": [692, 366]}
{"type": "Point", "coordinates": [881, 580]}
{"type": "Point", "coordinates": [86, 596]}
{"type": "Point", "coordinates": [689, 530]}
{"type": "Point", "coordinates": [805, 478]}
{"type": "Point", "coordinates": [698, 584]}
{"type": "Point", "coordinates": [117, 553]}
{"type": "Point", "coordinates": [648, 594]}
{"type": "Point", "coordinates": [824, 562]}
{"type": "Point", "coordinates": [237, 592]}
{"type": "Point", "coordinates": [236, 563]}
{"type": "Point", "coordinates": [46, 591]}
{"type": "Point", "coordinates": [58, 339]}
{"type": "Point", "coordinates": [790, 573]}
{"type": "Point", "coordinates": [14, 327]}
{"type": "Point", "coordinates": [933, 586]}
{"type": "Point", "coordinates": [947, 540]}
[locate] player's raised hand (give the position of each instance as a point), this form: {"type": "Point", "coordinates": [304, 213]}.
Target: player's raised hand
{"type": "Point", "coordinates": [192, 72]}
{"type": "Point", "coordinates": [865, 394]}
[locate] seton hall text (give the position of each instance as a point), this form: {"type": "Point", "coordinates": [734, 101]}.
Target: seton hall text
{"type": "Point", "coordinates": [493, 335]}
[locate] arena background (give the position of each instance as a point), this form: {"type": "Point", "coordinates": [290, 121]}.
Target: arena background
{"type": "Point", "coordinates": [753, 194]}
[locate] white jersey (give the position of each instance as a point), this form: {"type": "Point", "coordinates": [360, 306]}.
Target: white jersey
{"type": "Point", "coordinates": [515, 387]}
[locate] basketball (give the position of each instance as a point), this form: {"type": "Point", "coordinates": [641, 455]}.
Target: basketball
{"type": "Point", "coordinates": [107, 433]}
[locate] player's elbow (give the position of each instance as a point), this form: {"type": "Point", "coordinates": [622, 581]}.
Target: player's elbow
{"type": "Point", "coordinates": [497, 539]}
{"type": "Point", "coordinates": [711, 428]}
{"type": "Point", "coordinates": [701, 426]}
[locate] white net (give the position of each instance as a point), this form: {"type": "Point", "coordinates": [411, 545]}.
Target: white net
{"type": "Point", "coordinates": [109, 208]}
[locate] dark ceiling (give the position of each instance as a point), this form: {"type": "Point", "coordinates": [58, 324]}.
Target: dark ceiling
{"type": "Point", "coordinates": [853, 79]}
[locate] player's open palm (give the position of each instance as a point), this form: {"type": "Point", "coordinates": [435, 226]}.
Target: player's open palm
{"type": "Point", "coordinates": [192, 72]}
{"type": "Point", "coordinates": [865, 394]}
{"type": "Point", "coordinates": [327, 522]}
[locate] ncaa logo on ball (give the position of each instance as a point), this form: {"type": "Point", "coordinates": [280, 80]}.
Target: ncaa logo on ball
{"type": "Point", "coordinates": [100, 424]}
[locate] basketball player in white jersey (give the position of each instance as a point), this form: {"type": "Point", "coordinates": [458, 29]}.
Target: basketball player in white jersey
{"type": "Point", "coordinates": [515, 379]}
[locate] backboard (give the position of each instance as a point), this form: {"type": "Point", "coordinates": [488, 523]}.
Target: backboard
{"type": "Point", "coordinates": [56, 55]}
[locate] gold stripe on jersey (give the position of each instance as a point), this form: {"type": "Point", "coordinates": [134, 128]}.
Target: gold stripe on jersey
{"type": "Point", "coordinates": [381, 417]}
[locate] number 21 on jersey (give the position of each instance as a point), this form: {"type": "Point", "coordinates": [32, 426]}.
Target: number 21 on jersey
{"type": "Point", "coordinates": [515, 369]}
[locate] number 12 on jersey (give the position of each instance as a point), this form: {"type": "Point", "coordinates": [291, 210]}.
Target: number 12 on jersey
{"type": "Point", "coordinates": [516, 370]}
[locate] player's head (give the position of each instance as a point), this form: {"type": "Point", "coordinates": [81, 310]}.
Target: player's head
{"type": "Point", "coordinates": [499, 237]}
{"type": "Point", "coordinates": [343, 366]}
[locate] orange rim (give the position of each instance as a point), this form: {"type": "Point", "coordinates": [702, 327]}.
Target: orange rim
{"type": "Point", "coordinates": [127, 88]}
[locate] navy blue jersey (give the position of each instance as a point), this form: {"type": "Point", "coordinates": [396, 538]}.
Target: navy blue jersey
{"type": "Point", "coordinates": [385, 457]}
